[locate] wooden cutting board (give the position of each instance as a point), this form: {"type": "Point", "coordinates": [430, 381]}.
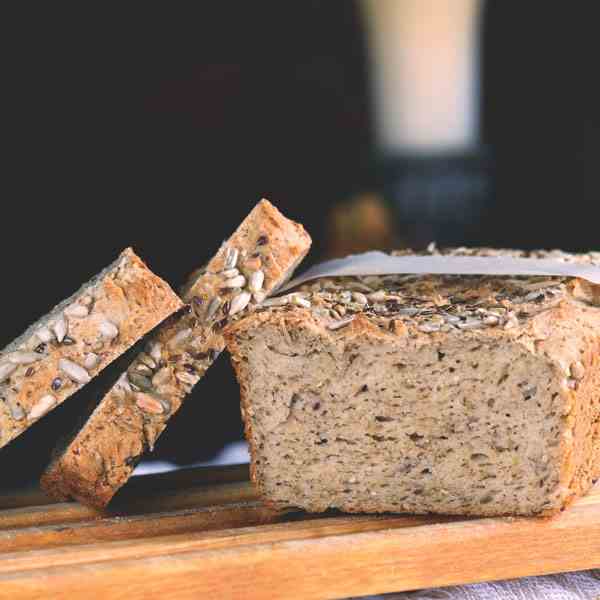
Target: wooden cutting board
{"type": "Point", "coordinates": [203, 533]}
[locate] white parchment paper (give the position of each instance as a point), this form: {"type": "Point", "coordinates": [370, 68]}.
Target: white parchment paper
{"type": "Point", "coordinates": [378, 263]}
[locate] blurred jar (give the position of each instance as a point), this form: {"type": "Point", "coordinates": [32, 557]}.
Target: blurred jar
{"type": "Point", "coordinates": [433, 170]}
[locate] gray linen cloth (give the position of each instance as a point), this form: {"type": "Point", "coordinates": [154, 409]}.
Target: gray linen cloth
{"type": "Point", "coordinates": [568, 586]}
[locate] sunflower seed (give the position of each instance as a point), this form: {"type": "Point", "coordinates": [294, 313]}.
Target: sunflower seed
{"type": "Point", "coordinates": [147, 360]}
{"type": "Point", "coordinates": [165, 403]}
{"type": "Point", "coordinates": [154, 349]}
{"type": "Point", "coordinates": [24, 358]}
{"type": "Point", "coordinates": [140, 381]}
{"type": "Point", "coordinates": [360, 298]}
{"type": "Point", "coordinates": [123, 383]}
{"type": "Point", "coordinates": [41, 407]}
{"type": "Point", "coordinates": [300, 301]}
{"type": "Point", "coordinates": [429, 327]}
{"type": "Point", "coordinates": [339, 324]}
{"type": "Point", "coordinates": [161, 376]}
{"type": "Point", "coordinates": [533, 296]}
{"type": "Point", "coordinates": [281, 301]}
{"type": "Point", "coordinates": [6, 370]}
{"type": "Point", "coordinates": [108, 330]}
{"type": "Point", "coordinates": [230, 273]}
{"type": "Point", "coordinates": [148, 403]}
{"type": "Point", "coordinates": [213, 307]}
{"type": "Point", "coordinates": [577, 370]}
{"type": "Point", "coordinates": [180, 338]}
{"type": "Point", "coordinates": [407, 312]}
{"type": "Point", "coordinates": [77, 311]}
{"type": "Point", "coordinates": [56, 384]}
{"type": "Point", "coordinates": [90, 361]}
{"type": "Point", "coordinates": [44, 335]}
{"type": "Point", "coordinates": [235, 282]}
{"type": "Point", "coordinates": [16, 411]}
{"type": "Point", "coordinates": [378, 296]}
{"type": "Point", "coordinates": [361, 287]}
{"type": "Point", "coordinates": [231, 258]}
{"type": "Point", "coordinates": [186, 377]}
{"type": "Point", "coordinates": [239, 303]}
{"type": "Point", "coordinates": [256, 281]}
{"type": "Point", "coordinates": [451, 318]}
{"type": "Point", "coordinates": [491, 320]}
{"type": "Point", "coordinates": [60, 329]}
{"type": "Point", "coordinates": [76, 372]}
{"type": "Point", "coordinates": [144, 370]}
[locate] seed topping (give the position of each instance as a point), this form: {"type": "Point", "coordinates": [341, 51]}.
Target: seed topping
{"type": "Point", "coordinates": [76, 372]}
{"type": "Point", "coordinates": [41, 407]}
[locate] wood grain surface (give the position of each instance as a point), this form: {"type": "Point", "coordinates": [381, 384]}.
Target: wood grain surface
{"type": "Point", "coordinates": [203, 533]}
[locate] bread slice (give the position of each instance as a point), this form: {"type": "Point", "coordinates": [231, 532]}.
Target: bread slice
{"type": "Point", "coordinates": [257, 259]}
{"type": "Point", "coordinates": [424, 394]}
{"type": "Point", "coordinates": [77, 339]}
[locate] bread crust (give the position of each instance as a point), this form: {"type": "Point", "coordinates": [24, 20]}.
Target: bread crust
{"type": "Point", "coordinates": [563, 331]}
{"type": "Point", "coordinates": [129, 419]}
{"type": "Point", "coordinates": [83, 335]}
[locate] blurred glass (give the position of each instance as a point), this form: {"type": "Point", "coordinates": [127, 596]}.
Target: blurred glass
{"type": "Point", "coordinates": [424, 76]}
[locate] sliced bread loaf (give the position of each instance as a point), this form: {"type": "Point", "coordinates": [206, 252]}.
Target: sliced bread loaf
{"type": "Point", "coordinates": [77, 339]}
{"type": "Point", "coordinates": [257, 259]}
{"type": "Point", "coordinates": [424, 394]}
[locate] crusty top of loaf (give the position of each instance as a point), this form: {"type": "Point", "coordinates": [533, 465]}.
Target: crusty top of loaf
{"type": "Point", "coordinates": [428, 305]}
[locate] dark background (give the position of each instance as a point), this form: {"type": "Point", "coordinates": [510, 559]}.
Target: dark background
{"type": "Point", "coordinates": [160, 127]}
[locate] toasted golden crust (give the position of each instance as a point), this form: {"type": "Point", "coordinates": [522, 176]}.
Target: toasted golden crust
{"type": "Point", "coordinates": [78, 339]}
{"type": "Point", "coordinates": [129, 419]}
{"type": "Point", "coordinates": [555, 320]}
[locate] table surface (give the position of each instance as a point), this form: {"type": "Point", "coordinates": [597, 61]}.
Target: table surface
{"type": "Point", "coordinates": [204, 533]}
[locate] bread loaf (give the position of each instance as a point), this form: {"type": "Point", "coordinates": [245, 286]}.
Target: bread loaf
{"type": "Point", "coordinates": [77, 339]}
{"type": "Point", "coordinates": [467, 395]}
{"type": "Point", "coordinates": [257, 259]}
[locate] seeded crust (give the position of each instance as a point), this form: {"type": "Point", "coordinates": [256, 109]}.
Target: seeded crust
{"type": "Point", "coordinates": [81, 336]}
{"type": "Point", "coordinates": [424, 394]}
{"type": "Point", "coordinates": [264, 251]}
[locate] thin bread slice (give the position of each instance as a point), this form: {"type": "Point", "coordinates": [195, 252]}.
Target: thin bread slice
{"type": "Point", "coordinates": [258, 258]}
{"type": "Point", "coordinates": [81, 336]}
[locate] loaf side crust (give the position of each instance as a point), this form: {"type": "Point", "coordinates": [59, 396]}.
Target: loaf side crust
{"type": "Point", "coordinates": [264, 250]}
{"type": "Point", "coordinates": [80, 337]}
{"type": "Point", "coordinates": [555, 321]}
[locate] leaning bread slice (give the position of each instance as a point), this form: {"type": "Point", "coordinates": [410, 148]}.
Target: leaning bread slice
{"type": "Point", "coordinates": [256, 260]}
{"type": "Point", "coordinates": [77, 339]}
